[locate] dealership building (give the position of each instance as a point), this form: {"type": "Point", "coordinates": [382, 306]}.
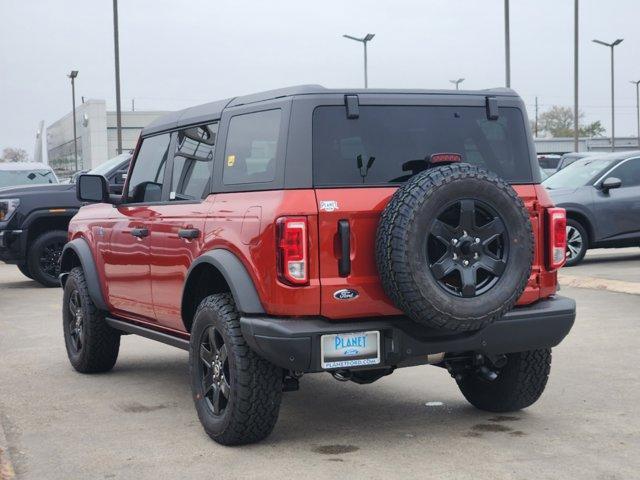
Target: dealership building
{"type": "Point", "coordinates": [97, 136]}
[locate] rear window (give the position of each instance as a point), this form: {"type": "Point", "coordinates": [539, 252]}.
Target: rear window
{"type": "Point", "coordinates": [389, 144]}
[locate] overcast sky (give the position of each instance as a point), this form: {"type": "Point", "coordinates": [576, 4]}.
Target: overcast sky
{"type": "Point", "coordinates": [175, 54]}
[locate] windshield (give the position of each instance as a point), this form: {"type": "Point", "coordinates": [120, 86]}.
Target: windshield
{"type": "Point", "coordinates": [109, 165]}
{"type": "Point", "coordinates": [578, 174]}
{"type": "Point", "coordinates": [389, 144]}
{"type": "Point", "coordinates": [13, 178]}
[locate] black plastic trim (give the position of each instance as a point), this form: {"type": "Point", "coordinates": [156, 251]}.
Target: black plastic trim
{"type": "Point", "coordinates": [148, 333]}
{"type": "Point", "coordinates": [81, 248]}
{"type": "Point", "coordinates": [295, 343]}
{"type": "Point", "coordinates": [239, 281]}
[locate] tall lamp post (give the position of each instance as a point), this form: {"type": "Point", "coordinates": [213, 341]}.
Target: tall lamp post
{"type": "Point", "coordinates": [457, 82]}
{"type": "Point", "coordinates": [637, 82]}
{"type": "Point", "coordinates": [576, 115]}
{"type": "Point", "coordinates": [507, 45]}
{"type": "Point", "coordinates": [613, 118]}
{"type": "Point", "coordinates": [72, 76]}
{"type": "Point", "coordinates": [364, 40]}
{"type": "Point", "coordinates": [116, 47]}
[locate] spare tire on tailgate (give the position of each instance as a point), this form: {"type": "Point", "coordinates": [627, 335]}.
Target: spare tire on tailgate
{"type": "Point", "coordinates": [454, 247]}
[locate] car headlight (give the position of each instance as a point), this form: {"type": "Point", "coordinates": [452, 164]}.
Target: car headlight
{"type": "Point", "coordinates": [7, 208]}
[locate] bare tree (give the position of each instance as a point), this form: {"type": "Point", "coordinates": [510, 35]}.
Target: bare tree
{"type": "Point", "coordinates": [558, 122]}
{"type": "Point", "coordinates": [10, 154]}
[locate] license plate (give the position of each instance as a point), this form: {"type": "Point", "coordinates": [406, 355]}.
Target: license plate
{"type": "Point", "coordinates": [344, 350]}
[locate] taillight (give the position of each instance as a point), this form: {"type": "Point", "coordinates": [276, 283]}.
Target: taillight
{"type": "Point", "coordinates": [557, 223]}
{"type": "Point", "coordinates": [292, 243]}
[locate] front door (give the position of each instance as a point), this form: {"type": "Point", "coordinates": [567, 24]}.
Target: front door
{"type": "Point", "coordinates": [618, 210]}
{"type": "Point", "coordinates": [177, 236]}
{"type": "Point", "coordinates": [127, 259]}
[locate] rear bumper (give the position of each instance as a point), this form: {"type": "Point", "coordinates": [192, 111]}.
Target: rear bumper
{"type": "Point", "coordinates": [12, 245]}
{"type": "Point", "coordinates": [294, 344]}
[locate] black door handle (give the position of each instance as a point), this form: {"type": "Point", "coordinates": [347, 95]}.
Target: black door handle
{"type": "Point", "coordinates": [344, 235]}
{"type": "Point", "coordinates": [189, 233]}
{"type": "Point", "coordinates": [140, 232]}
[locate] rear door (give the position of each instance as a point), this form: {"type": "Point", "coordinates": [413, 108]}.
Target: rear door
{"type": "Point", "coordinates": [359, 162]}
{"type": "Point", "coordinates": [178, 231]}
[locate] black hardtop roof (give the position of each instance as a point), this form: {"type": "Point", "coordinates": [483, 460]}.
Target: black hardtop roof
{"type": "Point", "coordinates": [213, 110]}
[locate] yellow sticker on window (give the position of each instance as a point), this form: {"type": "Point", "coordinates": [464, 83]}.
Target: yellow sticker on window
{"type": "Point", "coordinates": [231, 160]}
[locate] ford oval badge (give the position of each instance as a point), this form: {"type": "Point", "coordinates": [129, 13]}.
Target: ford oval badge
{"type": "Point", "coordinates": [345, 294]}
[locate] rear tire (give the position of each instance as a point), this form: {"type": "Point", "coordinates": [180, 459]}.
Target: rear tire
{"type": "Point", "coordinates": [24, 269]}
{"type": "Point", "coordinates": [577, 242]}
{"type": "Point", "coordinates": [519, 383]}
{"type": "Point", "coordinates": [43, 258]}
{"type": "Point", "coordinates": [92, 345]}
{"type": "Point", "coordinates": [237, 394]}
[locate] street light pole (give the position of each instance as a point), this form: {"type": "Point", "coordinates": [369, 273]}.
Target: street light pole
{"type": "Point", "coordinates": [637, 82]}
{"type": "Point", "coordinates": [117, 60]}
{"type": "Point", "coordinates": [576, 115]}
{"type": "Point", "coordinates": [507, 46]}
{"type": "Point", "coordinates": [364, 40]}
{"type": "Point", "coordinates": [72, 76]}
{"type": "Point", "coordinates": [613, 117]}
{"type": "Point", "coordinates": [457, 82]}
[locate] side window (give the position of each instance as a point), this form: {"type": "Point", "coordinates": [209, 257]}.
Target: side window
{"type": "Point", "coordinates": [193, 162]}
{"type": "Point", "coordinates": [252, 146]}
{"type": "Point", "coordinates": [628, 172]}
{"type": "Point", "coordinates": [147, 177]}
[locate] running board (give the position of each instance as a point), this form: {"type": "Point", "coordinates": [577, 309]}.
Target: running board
{"type": "Point", "coordinates": [148, 333]}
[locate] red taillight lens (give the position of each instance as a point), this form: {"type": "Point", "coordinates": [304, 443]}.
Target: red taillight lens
{"type": "Point", "coordinates": [293, 264]}
{"type": "Point", "coordinates": [557, 222]}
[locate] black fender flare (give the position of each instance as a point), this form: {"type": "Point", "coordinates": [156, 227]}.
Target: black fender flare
{"type": "Point", "coordinates": [35, 215]}
{"type": "Point", "coordinates": [234, 272]}
{"type": "Point", "coordinates": [80, 248]}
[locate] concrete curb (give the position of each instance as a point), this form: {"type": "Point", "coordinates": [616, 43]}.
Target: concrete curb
{"type": "Point", "coordinates": [6, 468]}
{"type": "Point", "coordinates": [595, 283]}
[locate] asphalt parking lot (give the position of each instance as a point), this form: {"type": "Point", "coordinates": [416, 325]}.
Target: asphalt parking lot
{"type": "Point", "coordinates": [138, 421]}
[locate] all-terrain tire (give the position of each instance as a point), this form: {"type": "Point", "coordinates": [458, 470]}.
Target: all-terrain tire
{"type": "Point", "coordinates": [254, 385]}
{"type": "Point", "coordinates": [43, 257]}
{"type": "Point", "coordinates": [580, 242]}
{"type": "Point", "coordinates": [98, 345]}
{"type": "Point", "coordinates": [519, 383]}
{"type": "Point", "coordinates": [401, 247]}
{"type": "Point", "coordinates": [24, 269]}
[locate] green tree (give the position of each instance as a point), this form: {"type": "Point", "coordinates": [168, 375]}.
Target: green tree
{"type": "Point", "coordinates": [558, 122]}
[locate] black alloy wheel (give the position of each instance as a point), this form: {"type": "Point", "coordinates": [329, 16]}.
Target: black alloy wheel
{"type": "Point", "coordinates": [76, 322]}
{"type": "Point", "coordinates": [43, 257]}
{"type": "Point", "coordinates": [467, 248]}
{"type": "Point", "coordinates": [49, 260]}
{"type": "Point", "coordinates": [214, 370]}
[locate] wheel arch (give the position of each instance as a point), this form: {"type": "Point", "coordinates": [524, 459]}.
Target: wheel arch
{"type": "Point", "coordinates": [77, 253]}
{"type": "Point", "coordinates": [585, 222]}
{"type": "Point", "coordinates": [218, 271]}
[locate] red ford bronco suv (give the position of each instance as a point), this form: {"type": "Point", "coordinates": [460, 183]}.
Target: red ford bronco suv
{"type": "Point", "coordinates": [307, 230]}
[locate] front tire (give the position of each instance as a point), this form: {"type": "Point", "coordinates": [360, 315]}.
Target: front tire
{"type": "Point", "coordinates": [92, 345]}
{"type": "Point", "coordinates": [237, 394]}
{"type": "Point", "coordinates": [43, 259]}
{"type": "Point", "coordinates": [577, 242]}
{"type": "Point", "coordinates": [518, 385]}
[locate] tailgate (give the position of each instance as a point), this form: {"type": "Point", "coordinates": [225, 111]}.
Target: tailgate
{"type": "Point", "coordinates": [350, 216]}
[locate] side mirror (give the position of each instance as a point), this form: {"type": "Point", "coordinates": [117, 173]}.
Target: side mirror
{"type": "Point", "coordinates": [611, 183]}
{"type": "Point", "coordinates": [92, 188]}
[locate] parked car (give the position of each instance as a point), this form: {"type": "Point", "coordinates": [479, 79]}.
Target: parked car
{"type": "Point", "coordinates": [601, 195]}
{"type": "Point", "coordinates": [568, 158]}
{"type": "Point", "coordinates": [34, 219]}
{"type": "Point", "coordinates": [310, 230]}
{"type": "Point", "coordinates": [14, 174]}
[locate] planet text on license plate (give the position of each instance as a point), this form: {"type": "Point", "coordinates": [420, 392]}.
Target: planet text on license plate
{"type": "Point", "coordinates": [357, 349]}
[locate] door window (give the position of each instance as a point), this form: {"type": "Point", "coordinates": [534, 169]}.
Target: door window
{"type": "Point", "coordinates": [628, 172]}
{"type": "Point", "coordinates": [147, 177]}
{"type": "Point", "coordinates": [252, 146]}
{"type": "Point", "coordinates": [193, 162]}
